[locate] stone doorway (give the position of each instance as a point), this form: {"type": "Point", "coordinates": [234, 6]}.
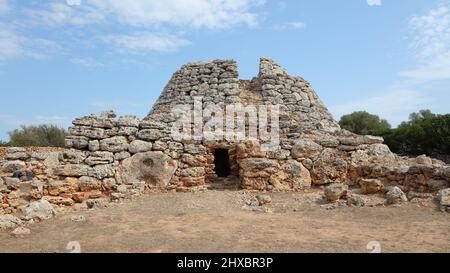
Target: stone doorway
{"type": "Point", "coordinates": [222, 163]}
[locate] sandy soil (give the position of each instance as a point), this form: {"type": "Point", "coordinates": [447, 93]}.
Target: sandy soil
{"type": "Point", "coordinates": [227, 221]}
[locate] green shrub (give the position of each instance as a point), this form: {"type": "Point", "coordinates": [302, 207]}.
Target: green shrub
{"type": "Point", "coordinates": [41, 136]}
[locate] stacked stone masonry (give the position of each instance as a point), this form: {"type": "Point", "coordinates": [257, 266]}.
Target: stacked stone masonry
{"type": "Point", "coordinates": [110, 158]}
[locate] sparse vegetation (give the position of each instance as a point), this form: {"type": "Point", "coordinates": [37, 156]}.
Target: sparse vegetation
{"type": "Point", "coordinates": [40, 135]}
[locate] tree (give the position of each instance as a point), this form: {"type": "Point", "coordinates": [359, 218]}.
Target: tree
{"type": "Point", "coordinates": [41, 135]}
{"type": "Point", "coordinates": [363, 123]}
{"type": "Point", "coordinates": [424, 133]}
{"type": "Point", "coordinates": [3, 143]}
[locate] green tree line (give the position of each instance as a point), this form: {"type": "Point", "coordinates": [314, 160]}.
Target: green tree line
{"type": "Point", "coordinates": [424, 132]}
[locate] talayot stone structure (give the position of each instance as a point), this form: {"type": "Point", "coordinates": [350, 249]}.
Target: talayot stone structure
{"type": "Point", "coordinates": [109, 158]}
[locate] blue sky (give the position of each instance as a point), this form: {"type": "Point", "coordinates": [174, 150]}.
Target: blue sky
{"type": "Point", "coordinates": [61, 59]}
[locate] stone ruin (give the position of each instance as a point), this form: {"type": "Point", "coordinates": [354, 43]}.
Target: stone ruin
{"type": "Point", "coordinates": [108, 158]}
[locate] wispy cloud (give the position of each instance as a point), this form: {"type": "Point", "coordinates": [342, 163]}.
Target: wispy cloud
{"type": "Point", "coordinates": [212, 14]}
{"type": "Point", "coordinates": [374, 2]}
{"type": "Point", "coordinates": [14, 45]}
{"type": "Point", "coordinates": [431, 45]}
{"type": "Point", "coordinates": [291, 25]}
{"type": "Point", "coordinates": [87, 62]}
{"type": "Point", "coordinates": [142, 42]}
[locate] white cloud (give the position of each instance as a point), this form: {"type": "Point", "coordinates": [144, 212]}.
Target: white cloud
{"type": "Point", "coordinates": [14, 45]}
{"type": "Point", "coordinates": [4, 6]}
{"type": "Point", "coordinates": [211, 14]}
{"type": "Point", "coordinates": [143, 42]}
{"type": "Point", "coordinates": [291, 25]}
{"type": "Point", "coordinates": [395, 105]}
{"type": "Point", "coordinates": [58, 14]}
{"type": "Point", "coordinates": [73, 2]}
{"type": "Point", "coordinates": [89, 62]}
{"type": "Point", "coordinates": [431, 44]}
{"type": "Point", "coordinates": [374, 2]}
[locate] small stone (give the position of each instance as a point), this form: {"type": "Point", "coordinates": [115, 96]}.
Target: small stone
{"type": "Point", "coordinates": [371, 186]}
{"type": "Point", "coordinates": [444, 197]}
{"type": "Point", "coordinates": [96, 203]}
{"type": "Point", "coordinates": [264, 200]}
{"type": "Point", "coordinates": [21, 231]}
{"type": "Point", "coordinates": [9, 221]}
{"type": "Point", "coordinates": [78, 218]}
{"type": "Point", "coordinates": [39, 210]}
{"type": "Point", "coordinates": [335, 192]}
{"type": "Point", "coordinates": [355, 201]}
{"type": "Point", "coordinates": [395, 196]}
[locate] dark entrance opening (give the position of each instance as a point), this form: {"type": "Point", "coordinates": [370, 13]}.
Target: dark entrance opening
{"type": "Point", "coordinates": [222, 162]}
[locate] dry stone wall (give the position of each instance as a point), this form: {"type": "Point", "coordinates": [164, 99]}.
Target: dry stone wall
{"type": "Point", "coordinates": [109, 158]}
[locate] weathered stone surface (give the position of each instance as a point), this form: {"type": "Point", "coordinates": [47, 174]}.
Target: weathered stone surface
{"type": "Point", "coordinates": [259, 164]}
{"type": "Point", "coordinates": [114, 144]}
{"type": "Point", "coordinates": [329, 167]}
{"type": "Point", "coordinates": [194, 149]}
{"type": "Point", "coordinates": [444, 197]}
{"type": "Point", "coordinates": [355, 201]}
{"type": "Point", "coordinates": [293, 175]}
{"type": "Point", "coordinates": [139, 146]}
{"type": "Point", "coordinates": [248, 149]}
{"type": "Point", "coordinates": [17, 156]}
{"type": "Point", "coordinates": [154, 168]}
{"type": "Point", "coordinates": [39, 210]}
{"type": "Point", "coordinates": [12, 166]}
{"type": "Point", "coordinates": [9, 221]}
{"type": "Point", "coordinates": [68, 185]}
{"type": "Point", "coordinates": [372, 140]}
{"type": "Point", "coordinates": [102, 171]}
{"type": "Point", "coordinates": [150, 134]}
{"type": "Point", "coordinates": [306, 148]}
{"type": "Point", "coordinates": [20, 232]}
{"type": "Point", "coordinates": [12, 182]}
{"type": "Point", "coordinates": [72, 170]}
{"type": "Point", "coordinates": [76, 142]}
{"type": "Point", "coordinates": [335, 192]}
{"type": "Point", "coordinates": [87, 133]}
{"type": "Point", "coordinates": [194, 171]}
{"type": "Point", "coordinates": [89, 183]}
{"type": "Point", "coordinates": [395, 196]}
{"type": "Point", "coordinates": [73, 156]}
{"type": "Point", "coordinates": [424, 160]}
{"type": "Point", "coordinates": [96, 203]}
{"type": "Point", "coordinates": [127, 131]}
{"type": "Point", "coordinates": [263, 200]}
{"type": "Point", "coordinates": [94, 145]}
{"type": "Point", "coordinates": [128, 121]}
{"type": "Point", "coordinates": [100, 158]}
{"type": "Point", "coordinates": [59, 200]}
{"type": "Point", "coordinates": [121, 156]}
{"type": "Point", "coordinates": [371, 186]}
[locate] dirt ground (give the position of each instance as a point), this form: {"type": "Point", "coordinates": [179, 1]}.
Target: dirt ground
{"type": "Point", "coordinates": [229, 221]}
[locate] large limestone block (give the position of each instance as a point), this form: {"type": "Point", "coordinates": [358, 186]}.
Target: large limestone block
{"type": "Point", "coordinates": [154, 168]}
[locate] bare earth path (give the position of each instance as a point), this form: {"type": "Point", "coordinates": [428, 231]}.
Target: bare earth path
{"type": "Point", "coordinates": [219, 221]}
